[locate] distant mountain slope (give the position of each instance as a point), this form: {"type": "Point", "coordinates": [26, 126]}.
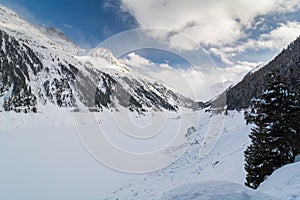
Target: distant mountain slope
{"type": "Point", "coordinates": [42, 66]}
{"type": "Point", "coordinates": [287, 63]}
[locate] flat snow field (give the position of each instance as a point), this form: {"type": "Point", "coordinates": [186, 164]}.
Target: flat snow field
{"type": "Point", "coordinates": [42, 157]}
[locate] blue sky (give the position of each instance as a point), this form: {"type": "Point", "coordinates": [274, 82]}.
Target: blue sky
{"type": "Point", "coordinates": [234, 34]}
{"type": "Point", "coordinates": [218, 41]}
{"type": "Point", "coordinates": [85, 22]}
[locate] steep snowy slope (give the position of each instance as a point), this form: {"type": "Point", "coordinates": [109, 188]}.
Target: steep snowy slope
{"type": "Point", "coordinates": [41, 66]}
{"type": "Point", "coordinates": [287, 64]}
{"type": "Point", "coordinates": [217, 175]}
{"type": "Point", "coordinates": [59, 37]}
{"type": "Point", "coordinates": [225, 162]}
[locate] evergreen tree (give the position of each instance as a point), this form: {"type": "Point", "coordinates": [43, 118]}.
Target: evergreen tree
{"type": "Point", "coordinates": [295, 124]}
{"type": "Point", "coordinates": [271, 147]}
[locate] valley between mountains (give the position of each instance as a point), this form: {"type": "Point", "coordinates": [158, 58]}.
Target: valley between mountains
{"type": "Point", "coordinates": [79, 124]}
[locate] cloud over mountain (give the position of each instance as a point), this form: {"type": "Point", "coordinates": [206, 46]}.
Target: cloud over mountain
{"type": "Point", "coordinates": [226, 25]}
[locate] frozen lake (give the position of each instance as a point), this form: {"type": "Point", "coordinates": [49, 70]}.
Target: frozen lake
{"type": "Point", "coordinates": [42, 156]}
{"type": "Point", "coordinates": [52, 164]}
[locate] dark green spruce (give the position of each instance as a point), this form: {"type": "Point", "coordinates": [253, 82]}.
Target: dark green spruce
{"type": "Point", "coordinates": [271, 146]}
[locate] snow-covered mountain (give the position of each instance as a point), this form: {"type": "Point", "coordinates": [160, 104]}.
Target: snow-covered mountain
{"type": "Point", "coordinates": [41, 66]}
{"type": "Point", "coordinates": [287, 64]}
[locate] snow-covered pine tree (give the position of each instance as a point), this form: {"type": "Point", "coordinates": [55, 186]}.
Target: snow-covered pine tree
{"type": "Point", "coordinates": [295, 124]}
{"type": "Point", "coordinates": [271, 147]}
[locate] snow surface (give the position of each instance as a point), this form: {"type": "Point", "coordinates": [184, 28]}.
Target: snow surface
{"type": "Point", "coordinates": [203, 161]}
{"type": "Point", "coordinates": [50, 163]}
{"type": "Point", "coordinates": [218, 175]}
{"type": "Point", "coordinates": [42, 156]}
{"type": "Point", "coordinates": [284, 183]}
{"type": "Point", "coordinates": [214, 191]}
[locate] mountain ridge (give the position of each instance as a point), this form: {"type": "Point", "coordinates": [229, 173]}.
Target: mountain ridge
{"type": "Point", "coordinates": [286, 63]}
{"type": "Point", "coordinates": [37, 70]}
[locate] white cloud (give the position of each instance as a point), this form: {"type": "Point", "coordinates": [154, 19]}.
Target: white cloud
{"type": "Point", "coordinates": [165, 65]}
{"type": "Point", "coordinates": [211, 22]}
{"type": "Point", "coordinates": [277, 39]}
{"type": "Point", "coordinates": [202, 85]}
{"type": "Point", "coordinates": [181, 42]}
{"type": "Point", "coordinates": [219, 26]}
{"type": "Point", "coordinates": [236, 72]}
{"type": "Point", "coordinates": [68, 26]}
{"type": "Point", "coordinates": [196, 83]}
{"type": "Point", "coordinates": [220, 53]}
{"type": "Point", "coordinates": [188, 82]}
{"type": "Point", "coordinates": [136, 60]}
{"type": "Point", "coordinates": [281, 36]}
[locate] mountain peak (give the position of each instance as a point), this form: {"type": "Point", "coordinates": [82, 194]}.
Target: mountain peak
{"type": "Point", "coordinates": [5, 11]}
{"type": "Point", "coordinates": [38, 38]}
{"type": "Point", "coordinates": [42, 66]}
{"type": "Point", "coordinates": [56, 35]}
